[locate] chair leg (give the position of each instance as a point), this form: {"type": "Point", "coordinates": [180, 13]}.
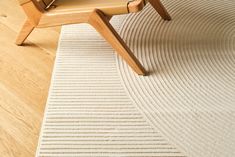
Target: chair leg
{"type": "Point", "coordinates": [109, 17]}
{"type": "Point", "coordinates": [98, 20]}
{"type": "Point", "coordinates": [24, 33]}
{"type": "Point", "coordinates": [158, 6]}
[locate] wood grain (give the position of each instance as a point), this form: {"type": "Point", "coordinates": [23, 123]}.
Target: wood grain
{"type": "Point", "coordinates": [25, 74]}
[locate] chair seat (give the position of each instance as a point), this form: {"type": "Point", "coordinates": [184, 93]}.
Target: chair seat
{"type": "Point", "coordinates": [109, 7]}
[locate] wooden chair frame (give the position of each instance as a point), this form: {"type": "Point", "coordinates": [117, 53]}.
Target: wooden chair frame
{"type": "Point", "coordinates": [39, 18]}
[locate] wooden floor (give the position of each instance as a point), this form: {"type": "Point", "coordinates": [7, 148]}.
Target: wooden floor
{"type": "Point", "coordinates": [24, 80]}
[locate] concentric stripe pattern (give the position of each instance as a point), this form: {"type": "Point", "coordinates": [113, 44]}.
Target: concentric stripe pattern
{"type": "Point", "coordinates": [88, 112]}
{"type": "Point", "coordinates": [185, 107]}
{"type": "Point", "coordinates": [189, 95]}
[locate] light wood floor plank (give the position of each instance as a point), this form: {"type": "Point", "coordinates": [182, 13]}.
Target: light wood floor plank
{"type": "Point", "coordinates": [25, 74]}
{"type": "Point", "coordinates": [9, 147]}
{"type": "Point", "coordinates": [19, 121]}
{"type": "Point", "coordinates": [24, 69]}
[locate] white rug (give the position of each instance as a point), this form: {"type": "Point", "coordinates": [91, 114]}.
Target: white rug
{"type": "Point", "coordinates": [186, 107]}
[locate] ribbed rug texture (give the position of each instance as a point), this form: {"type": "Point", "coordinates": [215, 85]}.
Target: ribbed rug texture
{"type": "Point", "coordinates": [97, 106]}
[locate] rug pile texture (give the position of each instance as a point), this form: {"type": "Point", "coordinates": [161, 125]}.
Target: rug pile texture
{"type": "Point", "coordinates": [97, 106]}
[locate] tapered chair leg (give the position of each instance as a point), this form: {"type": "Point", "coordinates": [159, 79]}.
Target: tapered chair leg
{"type": "Point", "coordinates": [157, 5]}
{"type": "Point", "coordinates": [109, 17]}
{"type": "Point", "coordinates": [24, 33]}
{"type": "Point", "coordinates": [98, 20]}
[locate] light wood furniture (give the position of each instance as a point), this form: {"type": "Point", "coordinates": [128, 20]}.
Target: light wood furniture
{"type": "Point", "coordinates": [47, 13]}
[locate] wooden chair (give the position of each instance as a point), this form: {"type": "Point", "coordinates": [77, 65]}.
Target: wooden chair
{"type": "Point", "coordinates": [47, 13]}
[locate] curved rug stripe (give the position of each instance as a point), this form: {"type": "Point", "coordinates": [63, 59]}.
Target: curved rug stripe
{"type": "Point", "coordinates": [190, 93]}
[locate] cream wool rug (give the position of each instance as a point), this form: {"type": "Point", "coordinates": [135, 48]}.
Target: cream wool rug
{"type": "Point", "coordinates": [185, 108]}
